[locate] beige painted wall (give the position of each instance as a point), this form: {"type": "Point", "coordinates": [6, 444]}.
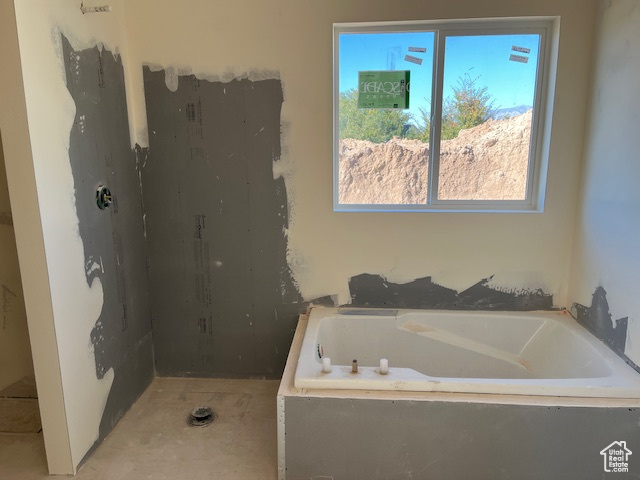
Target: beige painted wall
{"type": "Point", "coordinates": [30, 246]}
{"type": "Point", "coordinates": [607, 247]}
{"type": "Point", "coordinates": [62, 309]}
{"type": "Point", "coordinates": [15, 352]}
{"type": "Point", "coordinates": [293, 37]}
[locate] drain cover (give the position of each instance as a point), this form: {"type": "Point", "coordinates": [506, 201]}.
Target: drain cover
{"type": "Point", "coordinates": [201, 416]}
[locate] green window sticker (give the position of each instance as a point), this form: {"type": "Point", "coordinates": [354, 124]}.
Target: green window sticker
{"type": "Point", "coordinates": [384, 89]}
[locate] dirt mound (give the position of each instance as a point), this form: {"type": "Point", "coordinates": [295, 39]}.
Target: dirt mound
{"type": "Point", "coordinates": [487, 162]}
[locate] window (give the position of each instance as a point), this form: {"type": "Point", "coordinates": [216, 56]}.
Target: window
{"type": "Point", "coordinates": [445, 116]}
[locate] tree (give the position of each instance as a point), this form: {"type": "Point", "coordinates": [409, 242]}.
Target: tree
{"type": "Point", "coordinates": [421, 130]}
{"type": "Point", "coordinates": [373, 124]}
{"type": "Point", "coordinates": [471, 105]}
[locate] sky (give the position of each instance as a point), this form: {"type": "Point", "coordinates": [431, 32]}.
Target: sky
{"type": "Point", "coordinates": [510, 83]}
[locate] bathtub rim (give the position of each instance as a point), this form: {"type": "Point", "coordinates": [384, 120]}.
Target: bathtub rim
{"type": "Point", "coordinates": [287, 388]}
{"type": "Point", "coordinates": [626, 379]}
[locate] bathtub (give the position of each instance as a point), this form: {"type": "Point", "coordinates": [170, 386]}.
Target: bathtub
{"type": "Point", "coordinates": [482, 395]}
{"type": "Point", "coordinates": [515, 353]}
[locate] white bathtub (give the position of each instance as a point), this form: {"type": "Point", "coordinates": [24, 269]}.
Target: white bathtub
{"type": "Point", "coordinates": [531, 353]}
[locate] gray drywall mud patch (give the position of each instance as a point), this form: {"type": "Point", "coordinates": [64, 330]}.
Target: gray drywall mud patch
{"type": "Point", "coordinates": [113, 239]}
{"type": "Point", "coordinates": [598, 320]}
{"type": "Point", "coordinates": [482, 296]}
{"type": "Point", "coordinates": [376, 291]}
{"type": "Point", "coordinates": [222, 296]}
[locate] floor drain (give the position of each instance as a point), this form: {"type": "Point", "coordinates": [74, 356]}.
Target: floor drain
{"type": "Point", "coordinates": [201, 417]}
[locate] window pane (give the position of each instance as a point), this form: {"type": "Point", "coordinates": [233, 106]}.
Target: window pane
{"type": "Point", "coordinates": [488, 98]}
{"type": "Point", "coordinates": [383, 152]}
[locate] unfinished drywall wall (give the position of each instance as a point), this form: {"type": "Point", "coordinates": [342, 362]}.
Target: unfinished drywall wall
{"type": "Point", "coordinates": [325, 249]}
{"type": "Point", "coordinates": [15, 351]}
{"type": "Point", "coordinates": [112, 238]}
{"type": "Point", "coordinates": [64, 306]}
{"type": "Point", "coordinates": [606, 259]}
{"type": "Point", "coordinates": [376, 291]}
{"type": "Point", "coordinates": [597, 318]}
{"type": "Point", "coordinates": [216, 223]}
{"type": "Point", "coordinates": [343, 438]}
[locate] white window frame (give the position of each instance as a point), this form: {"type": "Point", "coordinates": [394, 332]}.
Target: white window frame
{"type": "Point", "coordinates": [547, 27]}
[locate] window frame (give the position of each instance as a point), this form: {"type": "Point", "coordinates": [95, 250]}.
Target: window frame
{"type": "Point", "coordinates": [546, 27]}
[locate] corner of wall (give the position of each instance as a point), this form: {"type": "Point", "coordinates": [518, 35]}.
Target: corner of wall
{"type": "Point", "coordinates": [605, 269]}
{"type": "Point", "coordinates": [30, 246]}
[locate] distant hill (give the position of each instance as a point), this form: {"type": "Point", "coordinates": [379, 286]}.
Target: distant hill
{"type": "Point", "coordinates": [510, 112]}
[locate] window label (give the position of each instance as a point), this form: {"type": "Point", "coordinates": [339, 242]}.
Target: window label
{"type": "Point", "coordinates": [521, 49]}
{"type": "Point", "coordinates": [412, 59]}
{"type": "Point", "coordinates": [384, 89]}
{"type": "Point", "coordinates": [518, 58]}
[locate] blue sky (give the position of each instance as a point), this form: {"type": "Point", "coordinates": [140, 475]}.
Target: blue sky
{"type": "Point", "coordinates": [510, 83]}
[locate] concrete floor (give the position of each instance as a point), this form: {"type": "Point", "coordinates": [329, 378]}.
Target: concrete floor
{"type": "Point", "coordinates": [153, 440]}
